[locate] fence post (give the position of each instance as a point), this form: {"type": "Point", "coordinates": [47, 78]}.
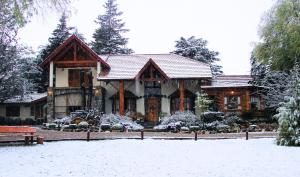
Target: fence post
{"type": "Point", "coordinates": [247, 136]}
{"type": "Point", "coordinates": [196, 135]}
{"type": "Point", "coordinates": [88, 135]}
{"type": "Point", "coordinates": [142, 134]}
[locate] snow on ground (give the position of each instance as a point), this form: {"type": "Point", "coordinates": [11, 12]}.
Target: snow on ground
{"type": "Point", "coordinates": [128, 158]}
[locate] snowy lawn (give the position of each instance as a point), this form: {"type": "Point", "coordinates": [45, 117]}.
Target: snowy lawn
{"type": "Point", "coordinates": [158, 158]}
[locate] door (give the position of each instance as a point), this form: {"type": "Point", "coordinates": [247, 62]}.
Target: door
{"type": "Point", "coordinates": [153, 109]}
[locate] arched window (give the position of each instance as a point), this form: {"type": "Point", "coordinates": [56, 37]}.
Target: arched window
{"type": "Point", "coordinates": [189, 101]}
{"type": "Point", "coordinates": [129, 101]}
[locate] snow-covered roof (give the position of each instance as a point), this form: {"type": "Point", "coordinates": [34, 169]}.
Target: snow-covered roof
{"type": "Point", "coordinates": [174, 66]}
{"type": "Point", "coordinates": [28, 98]}
{"type": "Point", "coordinates": [230, 81]}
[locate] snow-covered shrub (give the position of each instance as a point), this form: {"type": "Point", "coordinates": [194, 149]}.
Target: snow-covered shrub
{"type": "Point", "coordinates": [194, 128]}
{"type": "Point", "coordinates": [126, 122]}
{"type": "Point", "coordinates": [51, 126]}
{"type": "Point", "coordinates": [161, 128]}
{"type": "Point", "coordinates": [211, 116]}
{"type": "Point", "coordinates": [212, 126]}
{"type": "Point", "coordinates": [186, 118]}
{"type": "Point", "coordinates": [178, 120]}
{"type": "Point", "coordinates": [118, 126]}
{"type": "Point", "coordinates": [289, 122]}
{"type": "Point", "coordinates": [73, 126]}
{"type": "Point", "coordinates": [64, 120]}
{"type": "Point", "coordinates": [83, 124]}
{"type": "Point", "coordinates": [232, 119]}
{"type": "Point", "coordinates": [185, 129]}
{"type": "Point", "coordinates": [223, 128]}
{"type": "Point", "coordinates": [105, 127]}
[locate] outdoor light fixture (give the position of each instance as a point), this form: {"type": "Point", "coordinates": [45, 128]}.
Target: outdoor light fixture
{"type": "Point", "coordinates": [50, 92]}
{"type": "Point", "coordinates": [232, 92]}
{"type": "Point", "coordinates": [97, 92]}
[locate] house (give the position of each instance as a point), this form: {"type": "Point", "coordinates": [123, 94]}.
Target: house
{"type": "Point", "coordinates": [138, 85]}
{"type": "Point", "coordinates": [234, 93]}
{"type": "Point", "coordinates": [26, 106]}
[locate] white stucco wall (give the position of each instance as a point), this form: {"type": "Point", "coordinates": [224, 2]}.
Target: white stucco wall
{"type": "Point", "coordinates": [61, 77]}
{"type": "Point", "coordinates": [2, 110]}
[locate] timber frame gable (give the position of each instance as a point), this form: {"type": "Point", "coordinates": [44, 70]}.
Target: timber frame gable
{"type": "Point", "coordinates": [74, 53]}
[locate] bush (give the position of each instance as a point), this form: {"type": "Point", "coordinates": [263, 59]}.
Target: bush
{"type": "Point", "coordinates": [186, 118]}
{"type": "Point", "coordinates": [72, 126]}
{"type": "Point", "coordinates": [17, 121]}
{"type": "Point", "coordinates": [211, 116]}
{"type": "Point", "coordinates": [2, 120]}
{"type": "Point", "coordinates": [118, 127]}
{"type": "Point", "coordinates": [105, 127]}
{"type": "Point", "coordinates": [232, 119]}
{"type": "Point", "coordinates": [29, 121]}
{"type": "Point", "coordinates": [126, 122]}
{"type": "Point", "coordinates": [185, 129]}
{"type": "Point", "coordinates": [52, 126]}
{"type": "Point", "coordinates": [194, 128]}
{"type": "Point", "coordinates": [83, 125]}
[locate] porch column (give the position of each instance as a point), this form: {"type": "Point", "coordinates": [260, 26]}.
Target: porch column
{"type": "Point", "coordinates": [181, 96]}
{"type": "Point", "coordinates": [98, 68]}
{"type": "Point", "coordinates": [248, 100]}
{"type": "Point", "coordinates": [51, 74]}
{"type": "Point", "coordinates": [121, 98]}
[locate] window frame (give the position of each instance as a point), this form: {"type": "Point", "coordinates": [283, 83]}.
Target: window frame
{"type": "Point", "coordinates": [15, 112]}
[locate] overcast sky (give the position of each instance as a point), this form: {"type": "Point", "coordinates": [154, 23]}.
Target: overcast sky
{"type": "Point", "coordinates": [229, 26]}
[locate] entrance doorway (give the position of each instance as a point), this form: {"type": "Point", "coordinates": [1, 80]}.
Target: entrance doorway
{"type": "Point", "coordinates": [152, 109]}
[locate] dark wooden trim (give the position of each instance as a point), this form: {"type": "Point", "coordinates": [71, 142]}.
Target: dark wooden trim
{"type": "Point", "coordinates": [155, 66]}
{"type": "Point", "coordinates": [62, 47]}
{"type": "Point", "coordinates": [75, 52]}
{"type": "Point", "coordinates": [121, 98]}
{"type": "Point", "coordinates": [181, 95]}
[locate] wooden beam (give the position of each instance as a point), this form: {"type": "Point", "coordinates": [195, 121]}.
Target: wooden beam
{"type": "Point", "coordinates": [75, 52]}
{"type": "Point", "coordinates": [247, 100]}
{"type": "Point", "coordinates": [181, 96]}
{"type": "Point", "coordinates": [121, 98]}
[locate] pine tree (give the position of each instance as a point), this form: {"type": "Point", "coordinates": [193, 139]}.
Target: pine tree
{"type": "Point", "coordinates": [59, 35]}
{"type": "Point", "coordinates": [197, 49]}
{"type": "Point", "coordinates": [202, 101]}
{"type": "Point", "coordinates": [108, 37]}
{"type": "Point", "coordinates": [289, 115]}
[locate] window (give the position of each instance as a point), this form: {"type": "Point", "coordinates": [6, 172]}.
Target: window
{"type": "Point", "coordinates": [74, 77]}
{"type": "Point", "coordinates": [32, 110]}
{"type": "Point", "coordinates": [189, 101]}
{"type": "Point", "coordinates": [130, 105]}
{"type": "Point", "coordinates": [255, 103]}
{"type": "Point", "coordinates": [152, 88]}
{"type": "Point", "coordinates": [232, 102]}
{"type": "Point", "coordinates": [12, 111]}
{"type": "Point", "coordinates": [129, 102]}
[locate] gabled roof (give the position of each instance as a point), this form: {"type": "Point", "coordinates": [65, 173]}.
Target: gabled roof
{"type": "Point", "coordinates": [28, 98]}
{"type": "Point", "coordinates": [60, 48]}
{"type": "Point", "coordinates": [151, 62]}
{"type": "Point", "coordinates": [127, 67]}
{"type": "Point", "coordinates": [230, 81]}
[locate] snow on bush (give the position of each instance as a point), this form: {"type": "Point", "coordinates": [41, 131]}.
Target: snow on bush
{"type": "Point", "coordinates": [177, 120]}
{"type": "Point", "coordinates": [116, 120]}
{"type": "Point", "coordinates": [233, 119]}
{"type": "Point", "coordinates": [289, 122]}
{"type": "Point", "coordinates": [211, 116]}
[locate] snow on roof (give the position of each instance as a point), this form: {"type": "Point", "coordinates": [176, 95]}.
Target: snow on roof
{"type": "Point", "coordinates": [28, 98]}
{"type": "Point", "coordinates": [174, 66]}
{"type": "Point", "coordinates": [230, 81]}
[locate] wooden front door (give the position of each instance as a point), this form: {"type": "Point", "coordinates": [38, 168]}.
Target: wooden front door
{"type": "Point", "coordinates": [153, 109]}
